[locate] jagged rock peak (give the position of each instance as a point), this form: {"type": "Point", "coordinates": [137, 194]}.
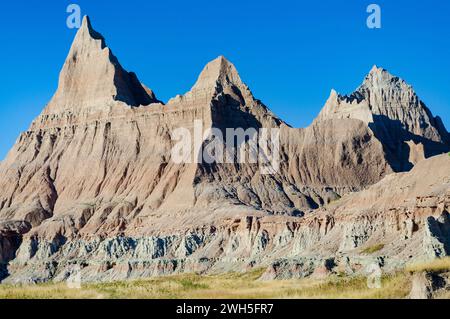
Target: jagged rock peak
{"type": "Point", "coordinates": [393, 111]}
{"type": "Point", "coordinates": [93, 78]}
{"type": "Point", "coordinates": [380, 73]}
{"type": "Point", "coordinates": [378, 70]}
{"type": "Point", "coordinates": [219, 71]}
{"type": "Point", "coordinates": [381, 93]}
{"type": "Point", "coordinates": [87, 32]}
{"type": "Point", "coordinates": [381, 79]}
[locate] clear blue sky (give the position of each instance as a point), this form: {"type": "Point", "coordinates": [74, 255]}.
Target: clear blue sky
{"type": "Point", "coordinates": [290, 53]}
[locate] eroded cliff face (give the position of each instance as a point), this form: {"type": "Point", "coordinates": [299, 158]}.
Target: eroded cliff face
{"type": "Point", "coordinates": [10, 240]}
{"type": "Point", "coordinates": [405, 213]}
{"type": "Point", "coordinates": [92, 183]}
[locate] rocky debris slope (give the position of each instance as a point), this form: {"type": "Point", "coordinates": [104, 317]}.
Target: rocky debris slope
{"type": "Point", "coordinates": [405, 215]}
{"type": "Point", "coordinates": [92, 181]}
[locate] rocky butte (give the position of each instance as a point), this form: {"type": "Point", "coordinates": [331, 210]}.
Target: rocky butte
{"type": "Point", "coordinates": [91, 182]}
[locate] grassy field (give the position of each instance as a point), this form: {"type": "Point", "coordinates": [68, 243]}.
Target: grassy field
{"type": "Point", "coordinates": [231, 286]}
{"type": "Point", "coordinates": [437, 265]}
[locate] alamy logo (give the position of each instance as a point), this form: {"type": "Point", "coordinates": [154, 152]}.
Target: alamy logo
{"type": "Point", "coordinates": [74, 19]}
{"type": "Point", "coordinates": [252, 146]}
{"type": "Point", "coordinates": [374, 19]}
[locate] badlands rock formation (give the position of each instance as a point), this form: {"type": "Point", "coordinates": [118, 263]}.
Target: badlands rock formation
{"type": "Point", "coordinates": [395, 114]}
{"type": "Point", "coordinates": [92, 184]}
{"type": "Point", "coordinates": [93, 77]}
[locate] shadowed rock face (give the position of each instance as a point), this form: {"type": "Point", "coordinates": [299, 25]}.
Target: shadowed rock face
{"type": "Point", "coordinates": [10, 240]}
{"type": "Point", "coordinates": [94, 180]}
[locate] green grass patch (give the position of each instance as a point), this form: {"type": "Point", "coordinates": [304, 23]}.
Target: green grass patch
{"type": "Point", "coordinates": [372, 249]}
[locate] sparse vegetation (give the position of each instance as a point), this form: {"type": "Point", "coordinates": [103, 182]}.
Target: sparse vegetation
{"type": "Point", "coordinates": [227, 286]}
{"type": "Point", "coordinates": [436, 266]}
{"type": "Point", "coordinates": [372, 249]}
{"type": "Point", "coordinates": [236, 286]}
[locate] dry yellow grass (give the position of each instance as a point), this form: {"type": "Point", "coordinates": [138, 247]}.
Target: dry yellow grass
{"type": "Point", "coordinates": [234, 286]}
{"type": "Point", "coordinates": [228, 286]}
{"type": "Point", "coordinates": [436, 265]}
{"type": "Point", "coordinates": [47, 291]}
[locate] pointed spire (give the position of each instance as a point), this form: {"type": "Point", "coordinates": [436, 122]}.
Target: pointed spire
{"type": "Point", "coordinates": [333, 94]}
{"type": "Point", "coordinates": [93, 77]}
{"type": "Point", "coordinates": [219, 70]}
{"type": "Point", "coordinates": [379, 76]}
{"type": "Point", "coordinates": [376, 69]}
{"type": "Point", "coordinates": [87, 37]}
{"type": "Point", "coordinates": [86, 25]}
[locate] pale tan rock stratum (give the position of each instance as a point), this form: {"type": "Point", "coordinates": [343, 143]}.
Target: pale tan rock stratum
{"type": "Point", "coordinates": [92, 182]}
